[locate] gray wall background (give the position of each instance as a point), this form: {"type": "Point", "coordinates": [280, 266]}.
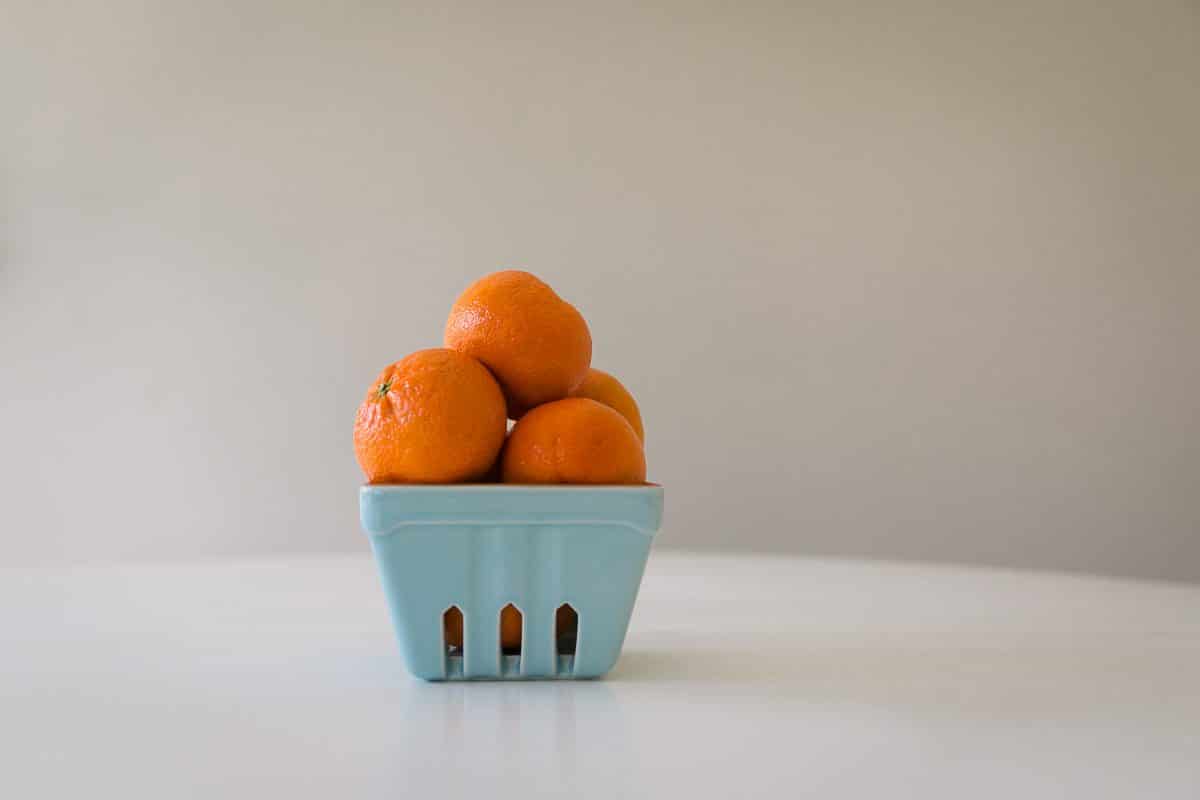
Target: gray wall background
{"type": "Point", "coordinates": [900, 280]}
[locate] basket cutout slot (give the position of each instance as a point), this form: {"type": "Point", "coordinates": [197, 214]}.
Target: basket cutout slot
{"type": "Point", "coordinates": [452, 632]}
{"type": "Point", "coordinates": [566, 630]}
{"type": "Point", "coordinates": [512, 630]}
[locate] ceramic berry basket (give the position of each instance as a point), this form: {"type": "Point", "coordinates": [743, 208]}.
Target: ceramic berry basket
{"type": "Point", "coordinates": [546, 550]}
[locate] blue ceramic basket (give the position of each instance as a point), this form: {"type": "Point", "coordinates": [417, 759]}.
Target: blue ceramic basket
{"type": "Point", "coordinates": [474, 549]}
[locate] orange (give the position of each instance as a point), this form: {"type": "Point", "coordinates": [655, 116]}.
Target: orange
{"type": "Point", "coordinates": [534, 342]}
{"type": "Point", "coordinates": [604, 388]}
{"type": "Point", "coordinates": [575, 440]}
{"type": "Point", "coordinates": [436, 416]}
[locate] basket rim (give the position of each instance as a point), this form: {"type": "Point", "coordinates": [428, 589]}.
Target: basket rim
{"type": "Point", "coordinates": [389, 508]}
{"type": "Point", "coordinates": [511, 487]}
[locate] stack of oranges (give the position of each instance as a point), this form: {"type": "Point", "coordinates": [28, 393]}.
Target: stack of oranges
{"type": "Point", "coordinates": [513, 349]}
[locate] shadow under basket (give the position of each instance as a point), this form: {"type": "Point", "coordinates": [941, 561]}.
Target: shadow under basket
{"type": "Point", "coordinates": [567, 559]}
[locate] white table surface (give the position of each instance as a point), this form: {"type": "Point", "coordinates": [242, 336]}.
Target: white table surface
{"type": "Point", "coordinates": [741, 677]}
